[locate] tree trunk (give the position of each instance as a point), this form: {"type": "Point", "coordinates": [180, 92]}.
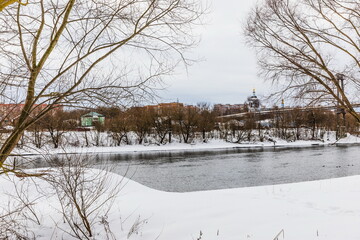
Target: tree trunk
{"type": "Point", "coordinates": [10, 144]}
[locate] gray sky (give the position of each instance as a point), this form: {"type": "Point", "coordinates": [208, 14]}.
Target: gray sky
{"type": "Point", "coordinates": [228, 71]}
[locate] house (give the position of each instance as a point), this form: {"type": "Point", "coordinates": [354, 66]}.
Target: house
{"type": "Point", "coordinates": [90, 119]}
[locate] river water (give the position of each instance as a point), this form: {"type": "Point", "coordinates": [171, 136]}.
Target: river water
{"type": "Point", "coordinates": [184, 171]}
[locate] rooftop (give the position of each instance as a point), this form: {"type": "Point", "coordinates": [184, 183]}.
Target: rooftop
{"type": "Point", "coordinates": [93, 114]}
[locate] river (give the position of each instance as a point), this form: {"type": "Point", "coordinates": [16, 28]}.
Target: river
{"type": "Point", "coordinates": [184, 171]}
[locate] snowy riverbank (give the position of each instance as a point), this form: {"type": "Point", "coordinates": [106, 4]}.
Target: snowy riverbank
{"type": "Point", "coordinates": [327, 209]}
{"type": "Point", "coordinates": [198, 146]}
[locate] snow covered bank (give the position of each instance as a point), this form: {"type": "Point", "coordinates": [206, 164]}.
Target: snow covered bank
{"type": "Point", "coordinates": [349, 139]}
{"type": "Point", "coordinates": [211, 145]}
{"type": "Point", "coordinates": [327, 209]}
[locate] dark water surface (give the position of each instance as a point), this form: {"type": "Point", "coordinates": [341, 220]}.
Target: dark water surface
{"type": "Point", "coordinates": [208, 170]}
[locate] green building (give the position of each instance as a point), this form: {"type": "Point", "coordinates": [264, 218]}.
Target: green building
{"type": "Point", "coordinates": [90, 119]}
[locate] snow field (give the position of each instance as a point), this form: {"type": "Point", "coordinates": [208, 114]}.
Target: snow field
{"type": "Point", "coordinates": [326, 209]}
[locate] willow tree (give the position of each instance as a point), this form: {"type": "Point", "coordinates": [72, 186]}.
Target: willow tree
{"type": "Point", "coordinates": [310, 48]}
{"type": "Point", "coordinates": [70, 52]}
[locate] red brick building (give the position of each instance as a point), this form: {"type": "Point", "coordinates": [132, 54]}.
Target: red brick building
{"type": "Point", "coordinates": [165, 106]}
{"type": "Point", "coordinates": [10, 112]}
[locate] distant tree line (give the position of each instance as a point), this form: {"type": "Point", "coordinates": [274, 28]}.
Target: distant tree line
{"type": "Point", "coordinates": [184, 124]}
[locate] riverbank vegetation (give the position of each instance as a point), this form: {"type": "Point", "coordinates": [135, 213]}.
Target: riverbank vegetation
{"type": "Point", "coordinates": [182, 124]}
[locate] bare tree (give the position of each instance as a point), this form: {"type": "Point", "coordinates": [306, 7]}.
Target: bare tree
{"type": "Point", "coordinates": [161, 125]}
{"type": "Point", "coordinates": [297, 121]}
{"type": "Point", "coordinates": [206, 120]}
{"type": "Point", "coordinates": [11, 224]}
{"type": "Point", "coordinates": [84, 52]}
{"type": "Point", "coordinates": [84, 194]}
{"type": "Point", "coordinates": [308, 48]}
{"type": "Point", "coordinates": [119, 128]}
{"type": "Point", "coordinates": [168, 116]}
{"type": "Point", "coordinates": [57, 123]}
{"type": "Point", "coordinates": [38, 137]}
{"type": "Point", "coordinates": [315, 120]}
{"type": "Point", "coordinates": [18, 210]}
{"type": "Point", "coordinates": [187, 119]}
{"type": "Point", "coordinates": [238, 132]}
{"type": "Point", "coordinates": [140, 122]}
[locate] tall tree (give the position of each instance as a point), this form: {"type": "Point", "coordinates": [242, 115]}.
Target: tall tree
{"type": "Point", "coordinates": [73, 52]}
{"type": "Point", "coordinates": [309, 48]}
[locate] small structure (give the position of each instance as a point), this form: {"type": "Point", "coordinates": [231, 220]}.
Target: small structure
{"type": "Point", "coordinates": [90, 119]}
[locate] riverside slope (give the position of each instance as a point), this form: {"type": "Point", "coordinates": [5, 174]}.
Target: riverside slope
{"type": "Point", "coordinates": [326, 209]}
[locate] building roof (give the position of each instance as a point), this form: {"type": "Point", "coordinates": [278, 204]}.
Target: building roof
{"type": "Point", "coordinates": [93, 114]}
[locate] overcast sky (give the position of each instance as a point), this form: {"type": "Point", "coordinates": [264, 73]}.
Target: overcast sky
{"type": "Point", "coordinates": [228, 71]}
